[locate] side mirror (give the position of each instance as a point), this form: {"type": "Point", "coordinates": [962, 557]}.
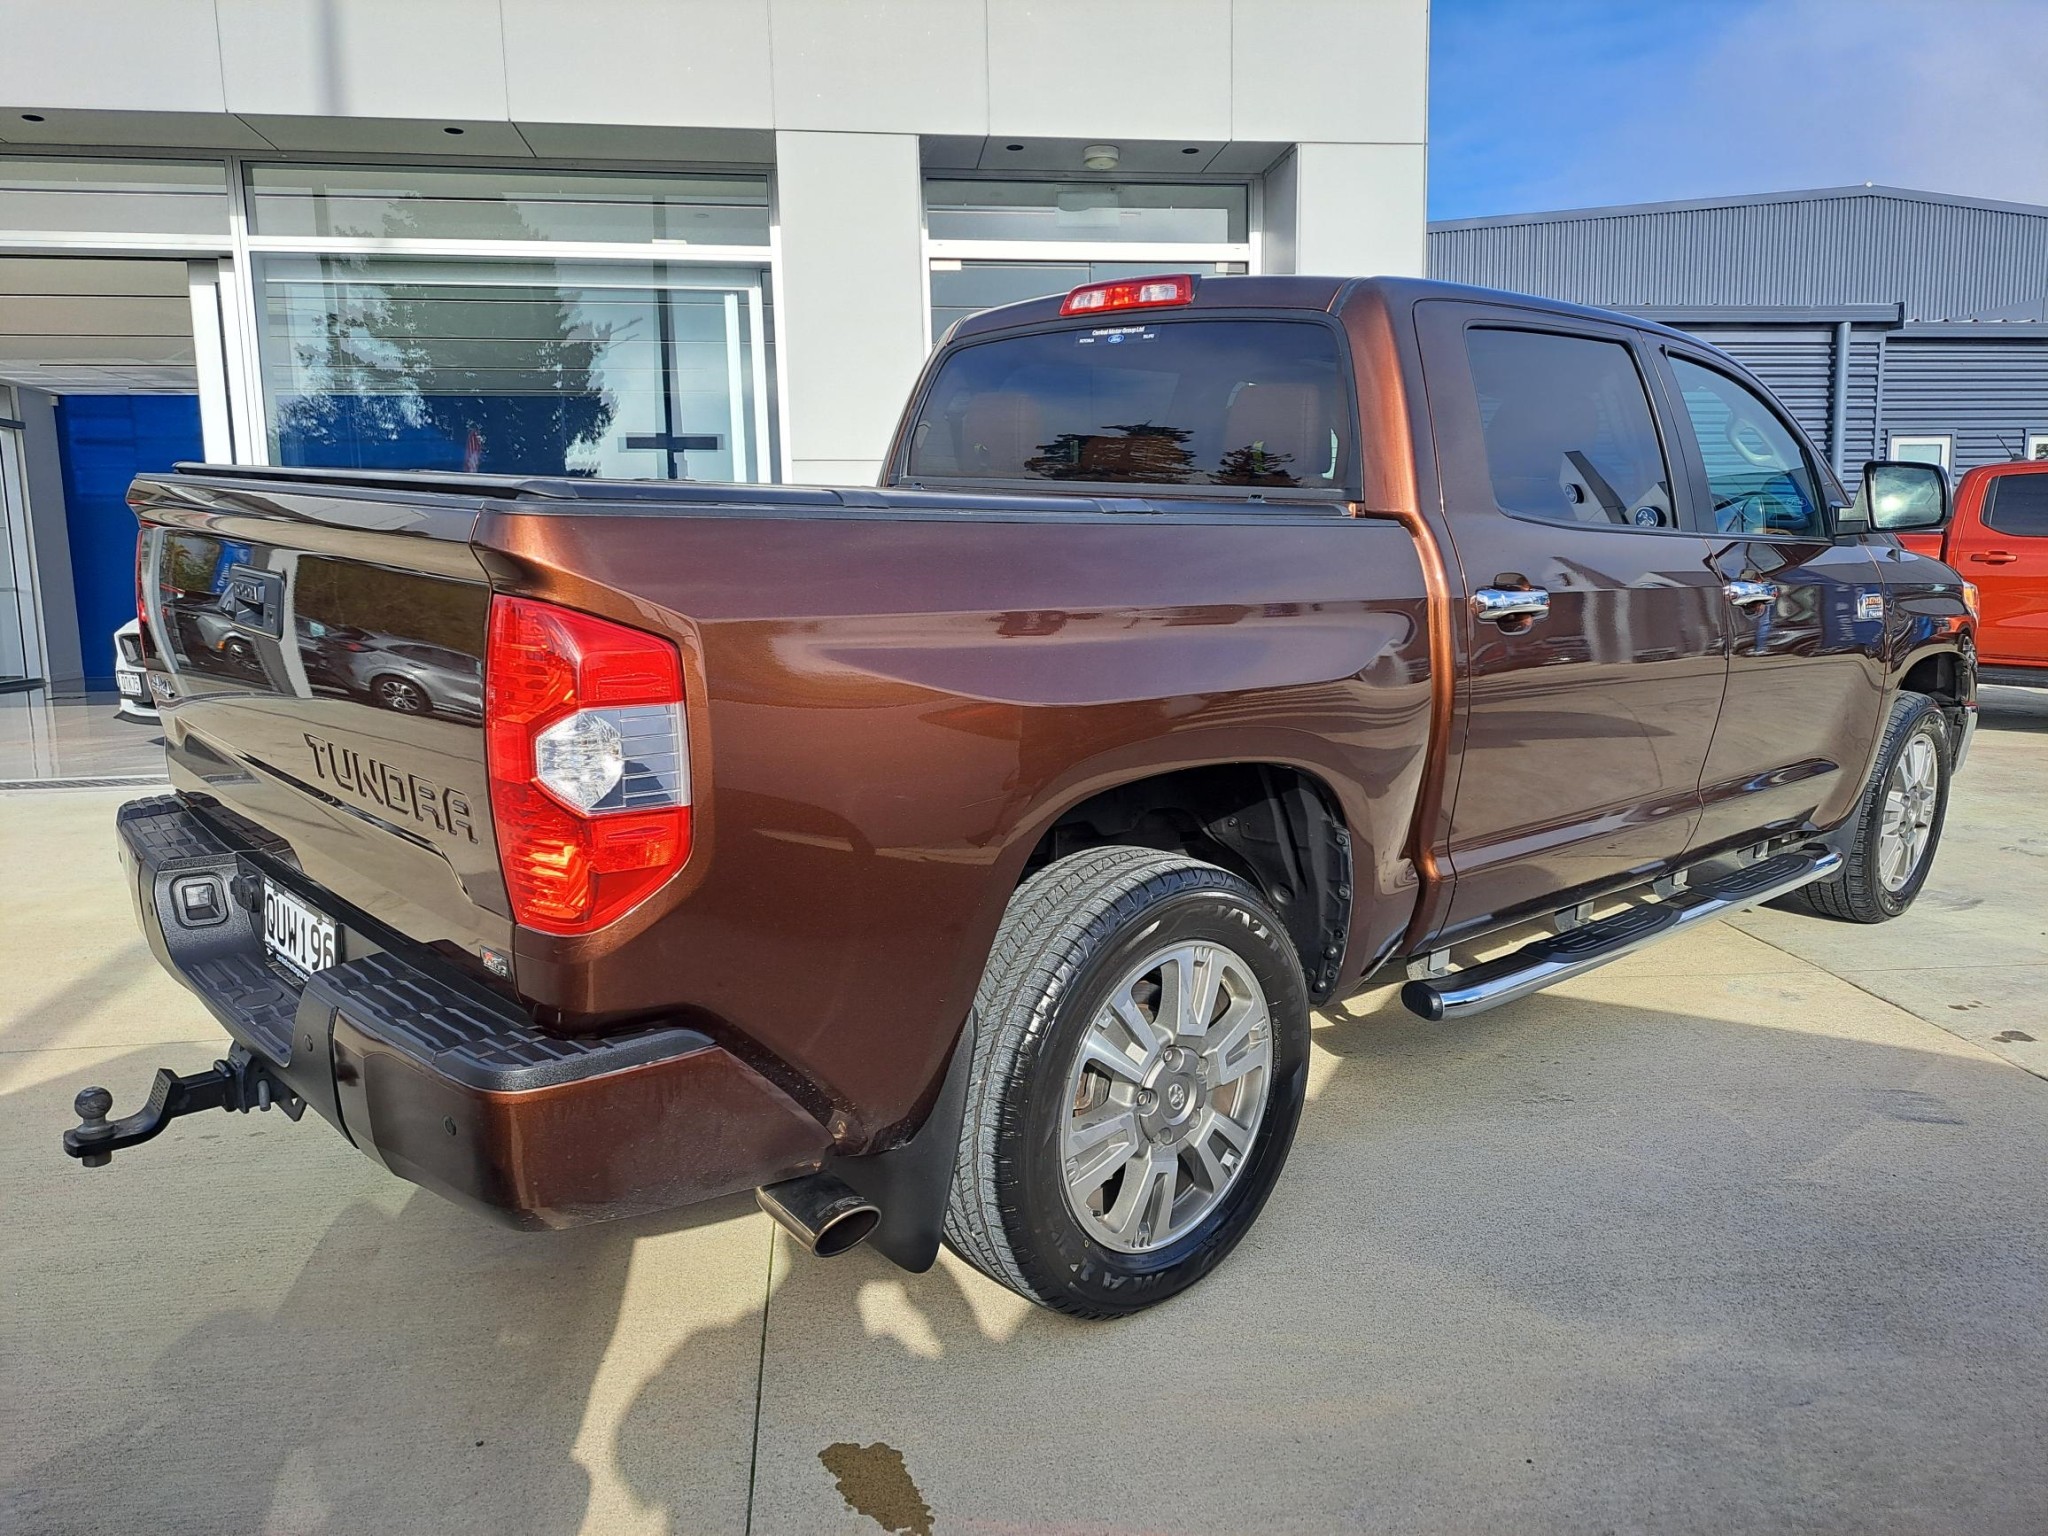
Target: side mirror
{"type": "Point", "coordinates": [1901, 496]}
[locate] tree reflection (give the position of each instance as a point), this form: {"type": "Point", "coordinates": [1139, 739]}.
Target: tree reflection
{"type": "Point", "coordinates": [486, 377]}
{"type": "Point", "coordinates": [1253, 465]}
{"type": "Point", "coordinates": [1142, 452]}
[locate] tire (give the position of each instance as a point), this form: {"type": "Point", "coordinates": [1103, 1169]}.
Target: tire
{"type": "Point", "coordinates": [1077, 931]}
{"type": "Point", "coordinates": [1870, 887]}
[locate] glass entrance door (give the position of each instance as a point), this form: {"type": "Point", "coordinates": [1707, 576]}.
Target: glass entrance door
{"type": "Point", "coordinates": [634, 370]}
{"type": "Point", "coordinates": [20, 654]}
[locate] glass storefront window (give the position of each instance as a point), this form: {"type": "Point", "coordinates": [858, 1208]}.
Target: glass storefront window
{"type": "Point", "coordinates": [423, 203]}
{"type": "Point", "coordinates": [962, 288]}
{"type": "Point", "coordinates": [126, 198]}
{"type": "Point", "coordinates": [634, 370]}
{"type": "Point", "coordinates": [1087, 212]}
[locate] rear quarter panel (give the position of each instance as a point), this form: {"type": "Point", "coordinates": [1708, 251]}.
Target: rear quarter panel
{"type": "Point", "coordinates": [888, 710]}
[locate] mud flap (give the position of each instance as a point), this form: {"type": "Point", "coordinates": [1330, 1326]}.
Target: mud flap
{"type": "Point", "coordinates": [911, 1183]}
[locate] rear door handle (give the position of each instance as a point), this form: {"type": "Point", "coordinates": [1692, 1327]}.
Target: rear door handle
{"type": "Point", "coordinates": [1994, 557]}
{"type": "Point", "coordinates": [1497, 605]}
{"type": "Point", "coordinates": [1749, 594]}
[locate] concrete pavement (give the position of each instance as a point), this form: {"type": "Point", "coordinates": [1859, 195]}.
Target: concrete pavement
{"type": "Point", "coordinates": [1746, 1232]}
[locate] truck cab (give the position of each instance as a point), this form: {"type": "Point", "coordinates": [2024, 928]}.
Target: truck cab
{"type": "Point", "coordinates": [1997, 537]}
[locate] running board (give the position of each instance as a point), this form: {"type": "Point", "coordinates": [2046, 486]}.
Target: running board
{"type": "Point", "coordinates": [1547, 961]}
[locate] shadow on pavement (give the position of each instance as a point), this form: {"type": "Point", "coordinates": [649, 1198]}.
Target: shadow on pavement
{"type": "Point", "coordinates": [415, 1366]}
{"type": "Point", "coordinates": [1579, 1266]}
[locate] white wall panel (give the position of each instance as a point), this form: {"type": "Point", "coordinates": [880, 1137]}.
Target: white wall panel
{"type": "Point", "coordinates": [1282, 217]}
{"type": "Point", "coordinates": [1142, 69]}
{"type": "Point", "coordinates": [880, 66]}
{"type": "Point", "coordinates": [364, 58]}
{"type": "Point", "coordinates": [686, 63]}
{"type": "Point", "coordinates": [1360, 210]}
{"type": "Point", "coordinates": [158, 54]}
{"type": "Point", "coordinates": [851, 305]}
{"type": "Point", "coordinates": [1330, 71]}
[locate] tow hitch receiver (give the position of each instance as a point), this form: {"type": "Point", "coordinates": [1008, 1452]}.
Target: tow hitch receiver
{"type": "Point", "coordinates": [238, 1083]}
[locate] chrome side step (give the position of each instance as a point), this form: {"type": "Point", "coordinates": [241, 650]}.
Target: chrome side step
{"type": "Point", "coordinates": [1459, 994]}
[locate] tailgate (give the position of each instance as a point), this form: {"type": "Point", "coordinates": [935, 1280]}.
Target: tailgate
{"type": "Point", "coordinates": [318, 651]}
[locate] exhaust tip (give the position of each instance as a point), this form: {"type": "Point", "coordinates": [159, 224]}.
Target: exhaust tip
{"type": "Point", "coordinates": [824, 1214]}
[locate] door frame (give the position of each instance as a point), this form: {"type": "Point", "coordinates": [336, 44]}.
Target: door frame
{"type": "Point", "coordinates": [1441, 325]}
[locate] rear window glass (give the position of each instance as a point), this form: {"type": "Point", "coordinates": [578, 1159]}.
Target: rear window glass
{"type": "Point", "coordinates": [1569, 435]}
{"type": "Point", "coordinates": [1255, 403]}
{"type": "Point", "coordinates": [2019, 505]}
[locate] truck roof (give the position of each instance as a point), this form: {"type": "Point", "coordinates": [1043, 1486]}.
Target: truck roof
{"type": "Point", "coordinates": [1312, 293]}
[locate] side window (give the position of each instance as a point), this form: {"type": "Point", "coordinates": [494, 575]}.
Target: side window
{"type": "Point", "coordinates": [1758, 476]}
{"type": "Point", "coordinates": [1569, 435]}
{"type": "Point", "coordinates": [2019, 506]}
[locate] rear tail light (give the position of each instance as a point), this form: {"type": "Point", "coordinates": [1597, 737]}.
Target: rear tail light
{"type": "Point", "coordinates": [589, 761]}
{"type": "Point", "coordinates": [1135, 293]}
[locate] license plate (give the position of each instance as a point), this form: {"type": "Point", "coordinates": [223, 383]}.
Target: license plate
{"type": "Point", "coordinates": [131, 684]}
{"type": "Point", "coordinates": [294, 933]}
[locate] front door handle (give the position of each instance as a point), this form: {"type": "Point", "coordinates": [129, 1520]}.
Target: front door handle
{"type": "Point", "coordinates": [1994, 557]}
{"type": "Point", "coordinates": [1749, 594]}
{"type": "Point", "coordinates": [1500, 604]}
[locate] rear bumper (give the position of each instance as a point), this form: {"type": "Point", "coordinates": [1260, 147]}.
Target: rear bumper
{"type": "Point", "coordinates": [443, 1080]}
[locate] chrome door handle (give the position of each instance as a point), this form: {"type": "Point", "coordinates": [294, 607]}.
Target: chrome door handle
{"type": "Point", "coordinates": [1497, 604]}
{"type": "Point", "coordinates": [1749, 594]}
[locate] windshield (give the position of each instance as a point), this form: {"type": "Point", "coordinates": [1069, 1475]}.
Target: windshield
{"type": "Point", "coordinates": [1258, 403]}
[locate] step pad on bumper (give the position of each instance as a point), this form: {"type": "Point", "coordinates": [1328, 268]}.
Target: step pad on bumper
{"type": "Point", "coordinates": [439, 1076]}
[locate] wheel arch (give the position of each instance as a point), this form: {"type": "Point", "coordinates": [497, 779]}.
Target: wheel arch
{"type": "Point", "coordinates": [1275, 824]}
{"type": "Point", "coordinates": [1948, 675]}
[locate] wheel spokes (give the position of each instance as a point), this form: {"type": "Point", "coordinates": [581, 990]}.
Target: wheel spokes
{"type": "Point", "coordinates": [1099, 1145]}
{"type": "Point", "coordinates": [1166, 1096]}
{"type": "Point", "coordinates": [1143, 1212]}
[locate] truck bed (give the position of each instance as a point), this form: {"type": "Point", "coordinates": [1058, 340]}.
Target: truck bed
{"type": "Point", "coordinates": [889, 694]}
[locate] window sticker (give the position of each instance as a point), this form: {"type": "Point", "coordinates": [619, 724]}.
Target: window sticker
{"type": "Point", "coordinates": [1115, 335]}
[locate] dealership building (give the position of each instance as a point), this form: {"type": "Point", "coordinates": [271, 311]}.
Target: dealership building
{"type": "Point", "coordinates": [1892, 323]}
{"type": "Point", "coordinates": [710, 239]}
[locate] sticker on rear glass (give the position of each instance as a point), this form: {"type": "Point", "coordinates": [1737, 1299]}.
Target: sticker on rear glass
{"type": "Point", "coordinates": [1116, 334]}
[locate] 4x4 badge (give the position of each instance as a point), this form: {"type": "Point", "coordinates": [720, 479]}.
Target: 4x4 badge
{"type": "Point", "coordinates": [1870, 605]}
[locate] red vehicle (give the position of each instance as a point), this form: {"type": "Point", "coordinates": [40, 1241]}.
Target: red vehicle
{"type": "Point", "coordinates": [1998, 538]}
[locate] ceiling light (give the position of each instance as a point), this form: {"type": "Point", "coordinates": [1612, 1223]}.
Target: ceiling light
{"type": "Point", "coordinates": [1100, 157]}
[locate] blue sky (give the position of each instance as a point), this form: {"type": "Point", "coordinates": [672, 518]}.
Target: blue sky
{"type": "Point", "coordinates": [1538, 104]}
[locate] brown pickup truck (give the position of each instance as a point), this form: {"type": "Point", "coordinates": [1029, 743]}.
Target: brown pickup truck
{"type": "Point", "coordinates": [960, 859]}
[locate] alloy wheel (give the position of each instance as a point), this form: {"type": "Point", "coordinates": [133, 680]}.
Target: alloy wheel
{"type": "Point", "coordinates": [1911, 794]}
{"type": "Point", "coordinates": [1166, 1095]}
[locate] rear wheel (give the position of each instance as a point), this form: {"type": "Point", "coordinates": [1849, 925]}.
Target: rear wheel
{"type": "Point", "coordinates": [1139, 1069]}
{"type": "Point", "coordinates": [1897, 825]}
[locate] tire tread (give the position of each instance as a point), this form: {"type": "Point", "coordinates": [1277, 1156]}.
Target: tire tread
{"type": "Point", "coordinates": [1054, 921]}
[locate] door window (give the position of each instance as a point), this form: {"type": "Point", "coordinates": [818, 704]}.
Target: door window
{"type": "Point", "coordinates": [2019, 506]}
{"type": "Point", "coordinates": [1568, 430]}
{"type": "Point", "coordinates": [1758, 476]}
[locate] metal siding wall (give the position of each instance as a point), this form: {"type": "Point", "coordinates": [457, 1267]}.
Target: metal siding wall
{"type": "Point", "coordinates": [1944, 260]}
{"type": "Point", "coordinates": [1988, 393]}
